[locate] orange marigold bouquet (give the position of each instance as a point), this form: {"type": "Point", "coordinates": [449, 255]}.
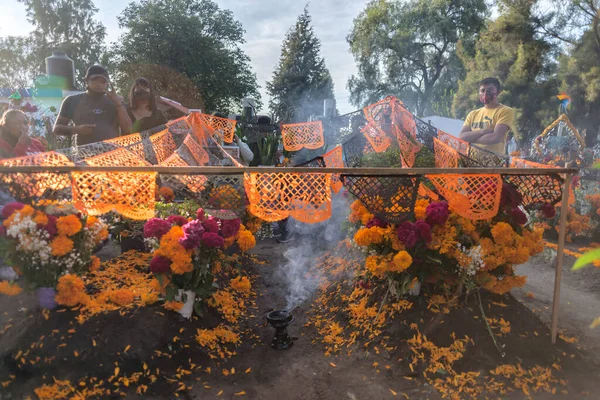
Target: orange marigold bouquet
{"type": "Point", "coordinates": [45, 244]}
{"type": "Point", "coordinates": [183, 251]}
{"type": "Point", "coordinates": [444, 249]}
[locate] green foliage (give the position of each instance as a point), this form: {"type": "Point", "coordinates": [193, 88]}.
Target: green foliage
{"type": "Point", "coordinates": [301, 81]}
{"type": "Point", "coordinates": [511, 51]}
{"type": "Point", "coordinates": [15, 62]}
{"type": "Point", "coordinates": [187, 208]}
{"type": "Point", "coordinates": [69, 26]}
{"type": "Point", "coordinates": [408, 49]}
{"type": "Point", "coordinates": [267, 148]}
{"type": "Point", "coordinates": [191, 50]}
{"type": "Point", "coordinates": [586, 259]}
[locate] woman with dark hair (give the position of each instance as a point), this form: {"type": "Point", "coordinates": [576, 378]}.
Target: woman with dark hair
{"type": "Point", "coordinates": [14, 136]}
{"type": "Point", "coordinates": [142, 106]}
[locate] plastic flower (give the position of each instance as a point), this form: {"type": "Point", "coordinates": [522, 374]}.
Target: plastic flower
{"type": "Point", "coordinates": [230, 227]}
{"type": "Point", "coordinates": [9, 289]}
{"type": "Point", "coordinates": [10, 208]}
{"type": "Point", "coordinates": [211, 239]}
{"type": "Point", "coordinates": [246, 240]}
{"type": "Point", "coordinates": [61, 245]}
{"type": "Point", "coordinates": [211, 225]}
{"type": "Point", "coordinates": [401, 261]}
{"type": "Point", "coordinates": [69, 225]}
{"type": "Point", "coordinates": [177, 220]}
{"type": "Point", "coordinates": [156, 228]}
{"type": "Point", "coordinates": [70, 291]}
{"type": "Point", "coordinates": [437, 213]}
{"type": "Point", "coordinates": [241, 284]}
{"type": "Point", "coordinates": [160, 265]}
{"type": "Point", "coordinates": [121, 297]}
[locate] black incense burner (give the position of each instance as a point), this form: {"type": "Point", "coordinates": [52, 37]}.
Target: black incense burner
{"type": "Point", "coordinates": [280, 319]}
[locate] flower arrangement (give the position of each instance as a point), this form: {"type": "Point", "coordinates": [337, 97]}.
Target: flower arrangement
{"type": "Point", "coordinates": [446, 250]}
{"type": "Point", "coordinates": [183, 251]}
{"type": "Point", "coordinates": [44, 245]}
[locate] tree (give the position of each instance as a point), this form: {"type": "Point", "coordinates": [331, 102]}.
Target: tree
{"type": "Point", "coordinates": [195, 39]}
{"type": "Point", "coordinates": [407, 49]}
{"type": "Point", "coordinates": [579, 74]}
{"type": "Point", "coordinates": [511, 51]}
{"type": "Point", "coordinates": [301, 81]}
{"type": "Point", "coordinates": [66, 25]}
{"type": "Point", "coordinates": [15, 62]}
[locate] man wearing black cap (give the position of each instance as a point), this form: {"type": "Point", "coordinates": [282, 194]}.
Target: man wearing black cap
{"type": "Point", "coordinates": [98, 114]}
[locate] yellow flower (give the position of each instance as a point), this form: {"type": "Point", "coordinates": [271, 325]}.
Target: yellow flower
{"type": "Point", "coordinates": [9, 289]}
{"type": "Point", "coordinates": [421, 209]}
{"type": "Point", "coordinates": [228, 242]}
{"type": "Point", "coordinates": [26, 211]}
{"type": "Point", "coordinates": [61, 245]}
{"type": "Point", "coordinates": [95, 264]}
{"type": "Point", "coordinates": [246, 240]}
{"type": "Point", "coordinates": [121, 297]}
{"type": "Point", "coordinates": [166, 193]}
{"type": "Point", "coordinates": [376, 265]}
{"type": "Point", "coordinates": [181, 259]}
{"type": "Point", "coordinates": [70, 291]}
{"type": "Point", "coordinates": [149, 298]}
{"type": "Point", "coordinates": [369, 236]}
{"type": "Point", "coordinates": [241, 284]}
{"type": "Point", "coordinates": [69, 225]}
{"type": "Point", "coordinates": [401, 261]}
{"type": "Point", "coordinates": [91, 221]}
{"type": "Point", "coordinates": [502, 233]}
{"type": "Point", "coordinates": [40, 218]}
{"type": "Point", "coordinates": [173, 305]}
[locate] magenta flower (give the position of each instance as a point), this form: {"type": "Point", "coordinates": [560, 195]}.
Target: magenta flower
{"type": "Point", "coordinates": [230, 227]}
{"type": "Point", "coordinates": [518, 216]}
{"type": "Point", "coordinates": [437, 213]}
{"type": "Point", "coordinates": [200, 214]}
{"type": "Point", "coordinates": [510, 197]}
{"type": "Point", "coordinates": [211, 239]}
{"type": "Point", "coordinates": [51, 226]}
{"type": "Point", "coordinates": [211, 225]}
{"type": "Point", "coordinates": [548, 210]}
{"type": "Point", "coordinates": [424, 231]}
{"type": "Point", "coordinates": [160, 265]}
{"type": "Point", "coordinates": [410, 234]}
{"type": "Point", "coordinates": [193, 232]}
{"type": "Point", "coordinates": [376, 222]}
{"type": "Point", "coordinates": [10, 208]}
{"type": "Point", "coordinates": [177, 220]}
{"type": "Point", "coordinates": [156, 228]}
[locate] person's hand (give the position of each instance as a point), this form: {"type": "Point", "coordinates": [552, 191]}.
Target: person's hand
{"type": "Point", "coordinates": [112, 95]}
{"type": "Point", "coordinates": [84, 129]}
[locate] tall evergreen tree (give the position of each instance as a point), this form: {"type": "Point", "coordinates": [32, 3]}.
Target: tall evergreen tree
{"type": "Point", "coordinates": [408, 49]}
{"type": "Point", "coordinates": [511, 50]}
{"type": "Point", "coordinates": [69, 26]}
{"type": "Point", "coordinates": [301, 81]}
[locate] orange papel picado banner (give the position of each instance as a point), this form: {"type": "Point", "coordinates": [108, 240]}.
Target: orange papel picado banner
{"type": "Point", "coordinates": [307, 135]}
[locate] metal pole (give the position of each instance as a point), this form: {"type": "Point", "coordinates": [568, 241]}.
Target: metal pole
{"type": "Point", "coordinates": [562, 231]}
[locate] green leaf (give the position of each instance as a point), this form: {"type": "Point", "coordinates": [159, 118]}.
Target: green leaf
{"type": "Point", "coordinates": [199, 308]}
{"type": "Point", "coordinates": [586, 259]}
{"type": "Point", "coordinates": [435, 260]}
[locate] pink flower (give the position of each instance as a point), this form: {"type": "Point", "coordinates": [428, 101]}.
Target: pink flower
{"type": "Point", "coordinates": [193, 231]}
{"type": "Point", "coordinates": [200, 214]}
{"type": "Point", "coordinates": [10, 208]}
{"type": "Point", "coordinates": [211, 239]}
{"type": "Point", "coordinates": [230, 227]}
{"type": "Point", "coordinates": [437, 213]}
{"type": "Point", "coordinates": [177, 220]}
{"type": "Point", "coordinates": [156, 228]}
{"type": "Point", "coordinates": [160, 265]}
{"type": "Point", "coordinates": [548, 210]}
{"type": "Point", "coordinates": [424, 230]}
{"type": "Point", "coordinates": [376, 222]}
{"type": "Point", "coordinates": [518, 216]}
{"type": "Point", "coordinates": [211, 225]}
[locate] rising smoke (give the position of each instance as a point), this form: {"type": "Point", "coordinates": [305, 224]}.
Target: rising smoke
{"type": "Point", "coordinates": [301, 280]}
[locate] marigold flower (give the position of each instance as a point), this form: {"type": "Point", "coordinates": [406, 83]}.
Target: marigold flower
{"type": "Point", "coordinates": [173, 305]}
{"type": "Point", "coordinates": [40, 218]}
{"type": "Point", "coordinates": [68, 225]}
{"type": "Point", "coordinates": [95, 264]}
{"type": "Point", "coordinates": [61, 245]}
{"type": "Point", "coordinates": [241, 284]}
{"type": "Point", "coordinates": [70, 290]}
{"type": "Point", "coordinates": [502, 233]}
{"type": "Point", "coordinates": [369, 236]}
{"type": "Point", "coordinates": [246, 240]}
{"type": "Point", "coordinates": [121, 297]}
{"type": "Point", "coordinates": [401, 261]}
{"type": "Point", "coordinates": [167, 194]}
{"type": "Point", "coordinates": [10, 289]}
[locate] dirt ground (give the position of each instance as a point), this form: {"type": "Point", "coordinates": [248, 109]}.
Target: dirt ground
{"type": "Point", "coordinates": [303, 372]}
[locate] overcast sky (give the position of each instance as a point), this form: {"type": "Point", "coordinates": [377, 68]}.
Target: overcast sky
{"type": "Point", "coordinates": [265, 22]}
